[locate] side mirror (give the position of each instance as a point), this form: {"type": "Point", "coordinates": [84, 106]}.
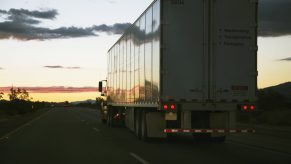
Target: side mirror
{"type": "Point", "coordinates": [100, 88]}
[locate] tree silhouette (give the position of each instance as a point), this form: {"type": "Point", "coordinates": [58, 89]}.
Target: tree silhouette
{"type": "Point", "coordinates": [24, 95]}
{"type": "Point", "coordinates": [18, 94]}
{"type": "Point", "coordinates": [13, 94]}
{"type": "Point", "coordinates": [1, 95]}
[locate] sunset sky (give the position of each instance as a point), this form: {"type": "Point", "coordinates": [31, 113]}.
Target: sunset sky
{"type": "Point", "coordinates": [53, 44]}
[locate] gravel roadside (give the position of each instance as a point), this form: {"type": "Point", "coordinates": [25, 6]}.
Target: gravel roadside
{"type": "Point", "coordinates": [8, 124]}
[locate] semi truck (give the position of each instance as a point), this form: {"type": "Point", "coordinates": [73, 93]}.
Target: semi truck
{"type": "Point", "coordinates": [184, 66]}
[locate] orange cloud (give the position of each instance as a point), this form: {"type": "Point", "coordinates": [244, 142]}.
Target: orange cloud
{"type": "Point", "coordinates": [59, 89]}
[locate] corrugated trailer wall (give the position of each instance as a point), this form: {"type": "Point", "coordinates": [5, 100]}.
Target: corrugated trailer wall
{"type": "Point", "coordinates": [134, 62]}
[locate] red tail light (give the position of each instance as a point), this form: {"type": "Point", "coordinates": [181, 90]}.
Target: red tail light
{"type": "Point", "coordinates": [252, 107]}
{"type": "Point", "coordinates": [172, 107]}
{"type": "Point", "coordinates": [165, 107]}
{"type": "Point", "coordinates": [245, 107]}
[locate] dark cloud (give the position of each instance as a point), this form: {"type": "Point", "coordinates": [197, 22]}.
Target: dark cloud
{"type": "Point", "coordinates": [20, 24]}
{"type": "Point", "coordinates": [50, 14]}
{"type": "Point", "coordinates": [22, 16]}
{"type": "Point", "coordinates": [274, 18]}
{"type": "Point", "coordinates": [60, 67]}
{"type": "Point", "coordinates": [117, 28]}
{"type": "Point", "coordinates": [73, 67]}
{"type": "Point", "coordinates": [286, 59]}
{"type": "Point", "coordinates": [54, 66]}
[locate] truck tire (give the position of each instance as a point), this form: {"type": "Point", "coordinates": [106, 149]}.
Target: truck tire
{"type": "Point", "coordinates": [103, 115]}
{"type": "Point", "coordinates": [113, 122]}
{"type": "Point", "coordinates": [137, 124]}
{"type": "Point", "coordinates": [109, 118]}
{"type": "Point", "coordinates": [121, 121]}
{"type": "Point", "coordinates": [144, 135]}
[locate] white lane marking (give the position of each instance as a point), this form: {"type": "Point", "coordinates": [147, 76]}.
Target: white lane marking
{"type": "Point", "coordinates": [138, 158]}
{"type": "Point", "coordinates": [82, 120]}
{"type": "Point", "coordinates": [6, 136]}
{"type": "Point", "coordinates": [79, 118]}
{"type": "Point", "coordinates": [97, 130]}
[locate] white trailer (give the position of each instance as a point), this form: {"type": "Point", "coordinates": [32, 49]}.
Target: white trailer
{"type": "Point", "coordinates": [185, 66]}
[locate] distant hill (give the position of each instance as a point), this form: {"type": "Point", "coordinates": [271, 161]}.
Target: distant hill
{"type": "Point", "coordinates": [85, 101]}
{"type": "Point", "coordinates": [284, 89]}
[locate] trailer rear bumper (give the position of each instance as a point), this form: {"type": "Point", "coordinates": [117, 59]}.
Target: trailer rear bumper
{"type": "Point", "coordinates": [221, 131]}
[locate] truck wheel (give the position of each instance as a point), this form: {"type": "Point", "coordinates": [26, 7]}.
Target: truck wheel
{"type": "Point", "coordinates": [121, 121]}
{"type": "Point", "coordinates": [144, 135]}
{"type": "Point", "coordinates": [109, 123]}
{"type": "Point", "coordinates": [137, 123]}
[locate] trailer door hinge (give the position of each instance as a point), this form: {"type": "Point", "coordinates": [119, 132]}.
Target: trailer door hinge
{"type": "Point", "coordinates": [253, 48]}
{"type": "Point", "coordinates": [253, 25]}
{"type": "Point", "coordinates": [163, 22]}
{"type": "Point", "coordinates": [164, 72]}
{"type": "Point", "coordinates": [254, 73]}
{"type": "Point", "coordinates": [164, 47]}
{"type": "Point", "coordinates": [254, 1]}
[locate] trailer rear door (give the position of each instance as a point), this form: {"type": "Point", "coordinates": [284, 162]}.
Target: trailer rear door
{"type": "Point", "coordinates": [183, 53]}
{"type": "Point", "coordinates": [209, 50]}
{"type": "Point", "coordinates": [234, 50]}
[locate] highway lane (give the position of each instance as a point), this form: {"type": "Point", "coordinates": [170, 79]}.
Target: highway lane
{"type": "Point", "coordinates": [76, 135]}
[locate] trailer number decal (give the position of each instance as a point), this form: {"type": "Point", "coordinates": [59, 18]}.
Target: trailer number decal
{"type": "Point", "coordinates": [239, 90]}
{"type": "Point", "coordinates": [234, 36]}
{"type": "Point", "coordinates": [177, 2]}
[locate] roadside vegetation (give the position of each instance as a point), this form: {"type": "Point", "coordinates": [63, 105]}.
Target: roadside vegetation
{"type": "Point", "coordinates": [86, 105]}
{"type": "Point", "coordinates": [273, 108]}
{"type": "Point", "coordinates": [19, 103]}
{"type": "Point", "coordinates": [90, 104]}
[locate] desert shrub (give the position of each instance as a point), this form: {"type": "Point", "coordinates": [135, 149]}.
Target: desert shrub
{"type": "Point", "coordinates": [271, 100]}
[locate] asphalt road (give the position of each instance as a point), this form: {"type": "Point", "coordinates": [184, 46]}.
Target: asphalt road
{"type": "Point", "coordinates": [76, 135]}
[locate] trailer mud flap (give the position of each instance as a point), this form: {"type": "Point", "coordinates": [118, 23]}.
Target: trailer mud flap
{"type": "Point", "coordinates": [155, 125]}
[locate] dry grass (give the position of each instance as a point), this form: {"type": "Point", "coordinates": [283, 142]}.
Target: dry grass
{"type": "Point", "coordinates": [279, 117]}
